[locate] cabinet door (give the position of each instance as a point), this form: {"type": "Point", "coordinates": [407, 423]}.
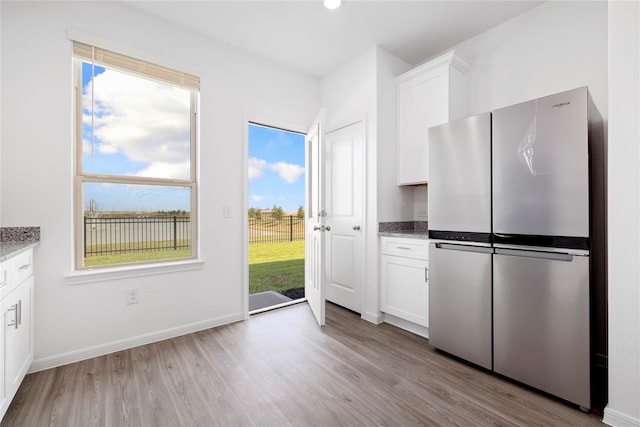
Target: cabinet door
{"type": "Point", "coordinates": [405, 290]}
{"type": "Point", "coordinates": [18, 347]}
{"type": "Point", "coordinates": [423, 102]}
{"type": "Point", "coordinates": [6, 315]}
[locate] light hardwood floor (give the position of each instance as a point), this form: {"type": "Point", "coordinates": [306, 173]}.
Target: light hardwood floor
{"type": "Point", "coordinates": [280, 369]}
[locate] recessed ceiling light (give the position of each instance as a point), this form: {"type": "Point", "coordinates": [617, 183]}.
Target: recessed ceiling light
{"type": "Point", "coordinates": [332, 4]}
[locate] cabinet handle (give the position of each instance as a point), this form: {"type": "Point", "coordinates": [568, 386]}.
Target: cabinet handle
{"type": "Point", "coordinates": [426, 274]}
{"type": "Point", "coordinates": [24, 266]}
{"type": "Point", "coordinates": [14, 323]}
{"type": "Point", "coordinates": [4, 278]}
{"type": "Point", "coordinates": [403, 247]}
{"type": "Point", "coordinates": [19, 313]}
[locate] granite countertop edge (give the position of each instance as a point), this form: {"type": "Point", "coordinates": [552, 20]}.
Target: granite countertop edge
{"type": "Point", "coordinates": [9, 250]}
{"type": "Point", "coordinates": [404, 233]}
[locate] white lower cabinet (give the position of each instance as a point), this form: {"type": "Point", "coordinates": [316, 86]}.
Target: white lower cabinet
{"type": "Point", "coordinates": [405, 279]}
{"type": "Point", "coordinates": [17, 333]}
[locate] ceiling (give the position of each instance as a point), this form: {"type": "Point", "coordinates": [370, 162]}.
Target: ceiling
{"type": "Point", "coordinates": [305, 36]}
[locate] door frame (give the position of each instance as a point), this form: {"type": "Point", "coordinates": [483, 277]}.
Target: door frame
{"type": "Point", "coordinates": [269, 122]}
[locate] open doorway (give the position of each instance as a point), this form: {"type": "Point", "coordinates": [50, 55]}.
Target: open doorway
{"type": "Point", "coordinates": [276, 192]}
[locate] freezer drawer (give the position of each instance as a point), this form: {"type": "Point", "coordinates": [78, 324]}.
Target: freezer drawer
{"type": "Point", "coordinates": [460, 301]}
{"type": "Point", "coordinates": [541, 321]}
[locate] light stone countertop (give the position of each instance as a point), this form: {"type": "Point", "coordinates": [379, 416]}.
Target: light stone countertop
{"type": "Point", "coordinates": [404, 233]}
{"type": "Point", "coordinates": [15, 240]}
{"type": "Point", "coordinates": [412, 229]}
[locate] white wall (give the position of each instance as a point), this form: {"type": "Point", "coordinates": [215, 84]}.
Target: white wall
{"type": "Point", "coordinates": [394, 203]}
{"type": "Point", "coordinates": [624, 215]}
{"type": "Point", "coordinates": [0, 111]}
{"type": "Point", "coordinates": [554, 47]}
{"type": "Point", "coordinates": [37, 172]}
{"type": "Point", "coordinates": [364, 88]}
{"type": "Point", "coordinates": [349, 95]}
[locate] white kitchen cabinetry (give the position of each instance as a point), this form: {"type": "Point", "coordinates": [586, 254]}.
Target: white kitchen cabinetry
{"type": "Point", "coordinates": [17, 333]}
{"type": "Point", "coordinates": [405, 279]}
{"type": "Point", "coordinates": [428, 95]}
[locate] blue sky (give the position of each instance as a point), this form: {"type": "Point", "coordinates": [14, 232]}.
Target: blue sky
{"type": "Point", "coordinates": [140, 128]}
{"type": "Point", "coordinates": [276, 168]}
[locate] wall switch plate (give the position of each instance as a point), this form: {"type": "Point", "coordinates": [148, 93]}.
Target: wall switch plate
{"type": "Point", "coordinates": [133, 296]}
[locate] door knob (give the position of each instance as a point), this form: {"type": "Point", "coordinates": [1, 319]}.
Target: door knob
{"type": "Point", "coordinates": [327, 228]}
{"type": "Point", "coordinates": [316, 228]}
{"type": "Point", "coordinates": [356, 227]}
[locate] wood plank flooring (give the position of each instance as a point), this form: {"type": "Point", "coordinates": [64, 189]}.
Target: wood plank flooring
{"type": "Point", "coordinates": [280, 369]}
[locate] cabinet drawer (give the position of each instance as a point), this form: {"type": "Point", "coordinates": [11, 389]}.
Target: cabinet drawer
{"type": "Point", "coordinates": [408, 248]}
{"type": "Point", "coordinates": [22, 266]}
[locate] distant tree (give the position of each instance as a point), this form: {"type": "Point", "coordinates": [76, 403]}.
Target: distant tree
{"type": "Point", "coordinates": [277, 212]}
{"type": "Point", "coordinates": [252, 212]}
{"type": "Point", "coordinates": [258, 214]}
{"type": "Point", "coordinates": [300, 212]}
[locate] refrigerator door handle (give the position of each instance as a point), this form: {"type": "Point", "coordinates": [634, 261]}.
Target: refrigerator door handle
{"type": "Point", "coordinates": [552, 256]}
{"type": "Point", "coordinates": [464, 248]}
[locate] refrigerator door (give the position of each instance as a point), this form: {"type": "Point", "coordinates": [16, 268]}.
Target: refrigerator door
{"type": "Point", "coordinates": [540, 167]}
{"type": "Point", "coordinates": [460, 301]}
{"type": "Point", "coordinates": [541, 321]}
{"type": "Point", "coordinates": [460, 178]}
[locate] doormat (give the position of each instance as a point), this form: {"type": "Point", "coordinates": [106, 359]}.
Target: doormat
{"type": "Point", "coordinates": [266, 299]}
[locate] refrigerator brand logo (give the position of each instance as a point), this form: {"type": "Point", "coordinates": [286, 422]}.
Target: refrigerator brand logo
{"type": "Point", "coordinates": [561, 104]}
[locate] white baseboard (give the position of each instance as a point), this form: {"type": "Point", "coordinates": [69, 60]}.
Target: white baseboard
{"type": "Point", "coordinates": [102, 349]}
{"type": "Point", "coordinates": [376, 318]}
{"type": "Point", "coordinates": [407, 326]}
{"type": "Point", "coordinates": [618, 419]}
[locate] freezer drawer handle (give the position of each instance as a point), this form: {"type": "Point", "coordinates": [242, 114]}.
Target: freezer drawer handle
{"type": "Point", "coordinates": [464, 248]}
{"type": "Point", "coordinates": [552, 256]}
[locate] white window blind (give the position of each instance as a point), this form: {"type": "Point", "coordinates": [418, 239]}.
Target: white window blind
{"type": "Point", "coordinates": [126, 63]}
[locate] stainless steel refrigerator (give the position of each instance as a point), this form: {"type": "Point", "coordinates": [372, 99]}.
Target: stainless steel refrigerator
{"type": "Point", "coordinates": [546, 220]}
{"type": "Point", "coordinates": [460, 251]}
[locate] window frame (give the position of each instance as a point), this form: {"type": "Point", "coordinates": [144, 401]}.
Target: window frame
{"type": "Point", "coordinates": [80, 177]}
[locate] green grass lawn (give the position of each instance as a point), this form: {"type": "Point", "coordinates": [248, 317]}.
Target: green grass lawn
{"type": "Point", "coordinates": [142, 256]}
{"type": "Point", "coordinates": [276, 266]}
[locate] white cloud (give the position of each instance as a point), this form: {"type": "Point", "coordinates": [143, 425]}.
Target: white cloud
{"type": "Point", "coordinates": [287, 171]}
{"type": "Point", "coordinates": [257, 198]}
{"type": "Point", "coordinates": [255, 167]}
{"type": "Point", "coordinates": [165, 169]}
{"type": "Point", "coordinates": [147, 122]}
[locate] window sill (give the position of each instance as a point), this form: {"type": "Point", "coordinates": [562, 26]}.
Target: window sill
{"type": "Point", "coordinates": [79, 277]}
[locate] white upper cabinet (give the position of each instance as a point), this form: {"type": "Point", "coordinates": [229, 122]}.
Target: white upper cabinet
{"type": "Point", "coordinates": [428, 95]}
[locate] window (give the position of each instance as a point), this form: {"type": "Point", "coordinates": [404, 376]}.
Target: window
{"type": "Point", "coordinates": [135, 180]}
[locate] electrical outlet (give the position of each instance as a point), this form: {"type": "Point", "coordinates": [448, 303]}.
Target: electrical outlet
{"type": "Point", "coordinates": [133, 296]}
{"type": "Point", "coordinates": [422, 213]}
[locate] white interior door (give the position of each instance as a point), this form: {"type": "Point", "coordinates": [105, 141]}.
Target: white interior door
{"type": "Point", "coordinates": [315, 216]}
{"type": "Point", "coordinates": [344, 205]}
